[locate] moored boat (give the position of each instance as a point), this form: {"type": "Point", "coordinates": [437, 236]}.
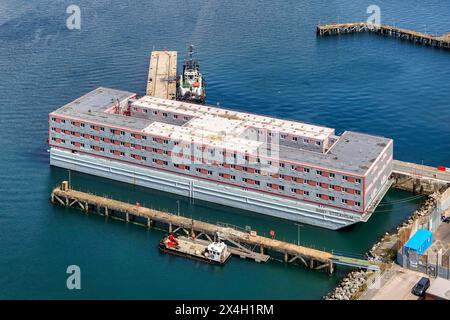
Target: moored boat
{"type": "Point", "coordinates": [215, 252]}
{"type": "Point", "coordinates": [191, 85]}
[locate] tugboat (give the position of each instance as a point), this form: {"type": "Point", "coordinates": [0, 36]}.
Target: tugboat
{"type": "Point", "coordinates": [215, 252]}
{"type": "Point", "coordinates": [191, 85]}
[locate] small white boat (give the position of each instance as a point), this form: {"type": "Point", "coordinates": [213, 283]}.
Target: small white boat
{"type": "Point", "coordinates": [214, 252]}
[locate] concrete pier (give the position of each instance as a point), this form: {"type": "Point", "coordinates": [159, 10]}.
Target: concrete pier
{"type": "Point", "coordinates": [418, 178]}
{"type": "Point", "coordinates": [442, 41]}
{"type": "Point", "coordinates": [162, 82]}
{"type": "Point", "coordinates": [239, 241]}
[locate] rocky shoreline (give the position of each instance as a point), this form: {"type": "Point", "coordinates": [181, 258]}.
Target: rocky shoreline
{"type": "Point", "coordinates": [383, 251]}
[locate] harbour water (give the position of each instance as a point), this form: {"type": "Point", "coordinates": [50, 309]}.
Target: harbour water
{"type": "Point", "coordinates": [257, 56]}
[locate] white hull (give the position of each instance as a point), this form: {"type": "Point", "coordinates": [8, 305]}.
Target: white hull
{"type": "Point", "coordinates": [236, 197]}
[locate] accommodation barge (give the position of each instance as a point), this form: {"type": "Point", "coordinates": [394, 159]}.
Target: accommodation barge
{"type": "Point", "coordinates": [291, 170]}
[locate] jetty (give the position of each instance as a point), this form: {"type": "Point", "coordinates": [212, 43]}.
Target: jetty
{"type": "Point", "coordinates": [419, 178]}
{"type": "Point", "coordinates": [242, 243]}
{"type": "Point", "coordinates": [437, 41]}
{"type": "Point", "coordinates": [162, 75]}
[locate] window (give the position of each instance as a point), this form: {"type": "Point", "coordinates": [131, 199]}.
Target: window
{"type": "Point", "coordinates": [345, 178]}
{"type": "Point", "coordinates": [344, 201]}
{"type": "Point", "coordinates": [281, 165]}
{"type": "Point", "coordinates": [318, 143]}
{"type": "Point", "coordinates": [332, 175]}
{"type": "Point", "coordinates": [358, 204]}
{"type": "Point", "coordinates": [306, 169]}
{"type": "Point", "coordinates": [358, 180]}
{"type": "Point", "coordinates": [331, 198]}
{"type": "Point", "coordinates": [306, 193]}
{"type": "Point", "coordinates": [294, 138]}
{"type": "Point", "coordinates": [319, 172]}
{"type": "Point", "coordinates": [175, 116]}
{"type": "Point", "coordinates": [358, 191]}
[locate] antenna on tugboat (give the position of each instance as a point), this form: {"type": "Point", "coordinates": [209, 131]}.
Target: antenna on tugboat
{"type": "Point", "coordinates": [191, 51]}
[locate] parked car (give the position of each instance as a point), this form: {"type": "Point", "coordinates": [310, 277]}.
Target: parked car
{"type": "Point", "coordinates": [421, 287]}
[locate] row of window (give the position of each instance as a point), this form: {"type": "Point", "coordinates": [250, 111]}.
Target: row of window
{"type": "Point", "coordinates": [164, 114]}
{"type": "Point", "coordinates": [310, 182]}
{"type": "Point", "coordinates": [284, 136]}
{"type": "Point", "coordinates": [210, 172]}
{"type": "Point", "coordinates": [322, 173]}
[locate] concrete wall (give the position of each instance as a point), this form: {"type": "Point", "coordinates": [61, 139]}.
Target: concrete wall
{"type": "Point", "coordinates": [378, 174]}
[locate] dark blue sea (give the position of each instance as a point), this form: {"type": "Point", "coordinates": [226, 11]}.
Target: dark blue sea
{"type": "Point", "coordinates": [258, 56]}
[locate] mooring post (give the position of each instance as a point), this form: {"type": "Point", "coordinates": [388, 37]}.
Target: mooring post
{"type": "Point", "coordinates": [127, 217]}
{"type": "Point", "coordinates": [170, 227]}
{"type": "Point", "coordinates": [286, 257]}
{"type": "Point", "coordinates": [53, 198]}
{"type": "Point", "coordinates": [106, 211]}
{"type": "Point", "coordinates": [149, 223]}
{"type": "Point", "coordinates": [86, 207]}
{"type": "Point", "coordinates": [261, 249]}
{"type": "Point", "coordinates": [311, 263]}
{"type": "Point", "coordinates": [331, 267]}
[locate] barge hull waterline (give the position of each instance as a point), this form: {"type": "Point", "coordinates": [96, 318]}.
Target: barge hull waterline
{"type": "Point", "coordinates": [235, 197]}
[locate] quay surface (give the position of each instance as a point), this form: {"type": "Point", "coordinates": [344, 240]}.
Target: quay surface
{"type": "Point", "coordinates": [241, 243]}
{"type": "Point", "coordinates": [162, 82]}
{"type": "Point", "coordinates": [441, 41]}
{"type": "Point", "coordinates": [418, 178]}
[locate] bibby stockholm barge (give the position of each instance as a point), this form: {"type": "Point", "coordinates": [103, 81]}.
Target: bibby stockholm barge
{"type": "Point", "coordinates": [281, 168]}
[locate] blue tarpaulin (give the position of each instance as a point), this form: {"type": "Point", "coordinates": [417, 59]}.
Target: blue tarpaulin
{"type": "Point", "coordinates": [420, 241]}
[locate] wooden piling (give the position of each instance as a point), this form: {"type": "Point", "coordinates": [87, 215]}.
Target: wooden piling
{"type": "Point", "coordinates": [442, 41]}
{"type": "Point", "coordinates": [240, 240]}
